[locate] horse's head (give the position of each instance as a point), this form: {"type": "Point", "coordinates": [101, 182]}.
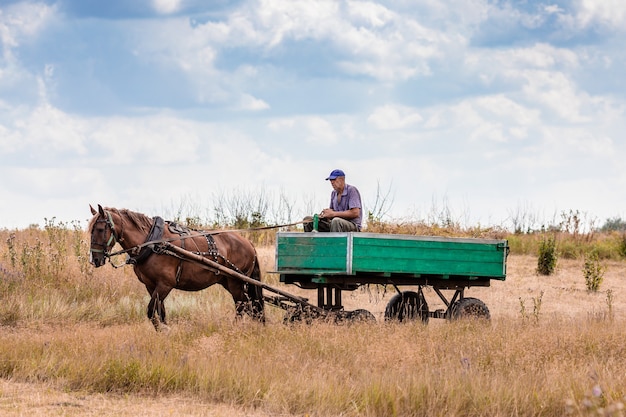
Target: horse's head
{"type": "Point", "coordinates": [103, 236]}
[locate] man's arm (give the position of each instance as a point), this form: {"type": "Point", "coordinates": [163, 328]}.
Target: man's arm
{"type": "Point", "coordinates": [353, 213]}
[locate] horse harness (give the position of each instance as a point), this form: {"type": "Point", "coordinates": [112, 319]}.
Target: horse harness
{"type": "Point", "coordinates": [156, 234]}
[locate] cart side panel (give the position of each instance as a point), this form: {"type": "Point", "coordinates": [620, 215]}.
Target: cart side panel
{"type": "Point", "coordinates": [444, 257]}
{"type": "Point", "coordinates": [313, 253]}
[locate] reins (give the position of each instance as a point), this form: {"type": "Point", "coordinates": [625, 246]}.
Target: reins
{"type": "Point", "coordinates": [199, 233]}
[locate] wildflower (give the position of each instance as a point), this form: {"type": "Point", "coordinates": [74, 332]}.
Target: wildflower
{"type": "Point", "coordinates": [596, 391]}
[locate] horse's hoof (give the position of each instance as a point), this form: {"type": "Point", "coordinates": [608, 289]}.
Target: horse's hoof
{"type": "Point", "coordinates": [159, 326]}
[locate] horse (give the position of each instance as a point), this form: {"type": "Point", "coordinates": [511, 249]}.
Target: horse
{"type": "Point", "coordinates": [162, 271]}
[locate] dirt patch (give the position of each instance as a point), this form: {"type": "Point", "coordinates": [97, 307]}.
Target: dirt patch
{"type": "Point", "coordinates": [34, 400]}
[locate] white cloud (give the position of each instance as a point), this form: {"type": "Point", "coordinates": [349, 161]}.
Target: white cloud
{"type": "Point", "coordinates": [44, 132]}
{"type": "Point", "coordinates": [369, 13]}
{"type": "Point", "coordinates": [544, 77]}
{"type": "Point", "coordinates": [377, 41]}
{"type": "Point", "coordinates": [505, 108]}
{"type": "Point", "coordinates": [391, 117]}
{"type": "Point", "coordinates": [157, 139]}
{"type": "Point", "coordinates": [572, 144]}
{"type": "Point", "coordinates": [278, 20]}
{"type": "Point", "coordinates": [22, 21]}
{"type": "Point", "coordinates": [19, 23]}
{"type": "Point", "coordinates": [319, 131]}
{"type": "Point", "coordinates": [511, 62]}
{"type": "Point", "coordinates": [166, 6]}
{"type": "Point", "coordinates": [611, 13]}
{"type": "Point", "coordinates": [556, 92]}
{"type": "Point", "coordinates": [553, 9]}
{"type": "Point", "coordinates": [55, 182]}
{"type": "Point", "coordinates": [400, 50]}
{"type": "Point", "coordinates": [280, 124]}
{"type": "Point", "coordinates": [252, 103]}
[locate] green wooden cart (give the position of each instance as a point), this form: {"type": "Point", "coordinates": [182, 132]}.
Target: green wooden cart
{"type": "Point", "coordinates": [334, 262]}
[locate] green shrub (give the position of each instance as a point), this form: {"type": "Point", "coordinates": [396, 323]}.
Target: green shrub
{"type": "Point", "coordinates": [593, 271]}
{"type": "Point", "coordinates": [621, 245]}
{"type": "Point", "coordinates": [613, 224]}
{"type": "Point", "coordinates": [546, 264]}
{"type": "Point", "coordinates": [570, 249]}
{"type": "Point", "coordinates": [522, 244]}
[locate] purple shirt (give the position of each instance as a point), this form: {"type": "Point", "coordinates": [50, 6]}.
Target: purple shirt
{"type": "Point", "coordinates": [350, 198]}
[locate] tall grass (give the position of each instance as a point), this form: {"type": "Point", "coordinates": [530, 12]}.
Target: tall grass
{"type": "Point", "coordinates": [84, 329]}
{"type": "Point", "coordinates": [512, 369]}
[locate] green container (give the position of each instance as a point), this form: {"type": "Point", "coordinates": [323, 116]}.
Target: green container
{"type": "Point", "coordinates": [364, 254]}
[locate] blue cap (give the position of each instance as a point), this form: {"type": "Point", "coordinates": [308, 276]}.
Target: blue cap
{"type": "Point", "coordinates": [336, 173]}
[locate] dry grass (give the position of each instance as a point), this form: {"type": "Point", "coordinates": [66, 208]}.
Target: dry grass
{"type": "Point", "coordinates": [81, 345]}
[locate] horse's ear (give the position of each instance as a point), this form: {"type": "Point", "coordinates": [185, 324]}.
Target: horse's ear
{"type": "Point", "coordinates": [93, 211]}
{"type": "Point", "coordinates": [100, 209]}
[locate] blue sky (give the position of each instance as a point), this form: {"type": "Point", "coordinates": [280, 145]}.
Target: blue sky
{"type": "Point", "coordinates": [488, 108]}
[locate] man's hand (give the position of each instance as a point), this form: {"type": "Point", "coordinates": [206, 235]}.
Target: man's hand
{"type": "Point", "coordinates": [327, 213]}
{"type": "Point", "coordinates": [353, 213]}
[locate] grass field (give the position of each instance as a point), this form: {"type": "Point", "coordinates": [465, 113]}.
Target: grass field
{"type": "Point", "coordinates": [74, 341]}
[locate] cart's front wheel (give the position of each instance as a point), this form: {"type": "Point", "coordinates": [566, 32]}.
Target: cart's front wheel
{"type": "Point", "coordinates": [407, 305]}
{"type": "Point", "coordinates": [361, 315]}
{"type": "Point", "coordinates": [470, 307]}
{"type": "Point", "coordinates": [299, 314]}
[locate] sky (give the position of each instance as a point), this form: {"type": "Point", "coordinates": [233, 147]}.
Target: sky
{"type": "Point", "coordinates": [487, 111]}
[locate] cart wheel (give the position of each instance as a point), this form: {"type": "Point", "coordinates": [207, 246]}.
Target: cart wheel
{"type": "Point", "coordinates": [407, 305]}
{"type": "Point", "coordinates": [362, 316]}
{"type": "Point", "coordinates": [296, 315]}
{"type": "Point", "coordinates": [470, 307]}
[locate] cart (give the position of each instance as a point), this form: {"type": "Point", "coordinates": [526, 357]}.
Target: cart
{"type": "Point", "coordinates": [335, 262]}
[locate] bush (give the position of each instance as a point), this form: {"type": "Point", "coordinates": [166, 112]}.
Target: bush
{"type": "Point", "coordinates": [571, 249]}
{"type": "Point", "coordinates": [546, 264]}
{"type": "Point", "coordinates": [593, 271]}
{"type": "Point", "coordinates": [613, 224]}
{"type": "Point", "coordinates": [621, 245]}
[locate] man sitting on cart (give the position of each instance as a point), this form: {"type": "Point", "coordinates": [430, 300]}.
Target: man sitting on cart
{"type": "Point", "coordinates": [345, 213]}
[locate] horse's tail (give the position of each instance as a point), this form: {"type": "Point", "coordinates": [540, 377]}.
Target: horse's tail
{"type": "Point", "coordinates": [255, 293]}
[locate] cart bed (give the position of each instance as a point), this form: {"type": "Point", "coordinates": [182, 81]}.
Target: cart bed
{"type": "Point", "coordinates": [368, 257]}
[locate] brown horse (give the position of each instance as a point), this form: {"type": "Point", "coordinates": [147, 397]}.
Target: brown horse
{"type": "Point", "coordinates": [163, 271]}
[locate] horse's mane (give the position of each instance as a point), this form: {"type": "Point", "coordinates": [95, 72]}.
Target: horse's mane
{"type": "Point", "coordinates": [141, 221]}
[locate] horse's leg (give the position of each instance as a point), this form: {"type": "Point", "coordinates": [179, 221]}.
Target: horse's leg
{"type": "Point", "coordinates": [156, 309]}
{"type": "Point", "coordinates": [153, 306]}
{"type": "Point", "coordinates": [248, 297]}
{"type": "Point", "coordinates": [236, 289]}
{"type": "Point", "coordinates": [255, 294]}
{"type": "Point", "coordinates": [244, 303]}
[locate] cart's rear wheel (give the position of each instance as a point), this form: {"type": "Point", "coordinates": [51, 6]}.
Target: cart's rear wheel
{"type": "Point", "coordinates": [470, 308]}
{"type": "Point", "coordinates": [407, 305]}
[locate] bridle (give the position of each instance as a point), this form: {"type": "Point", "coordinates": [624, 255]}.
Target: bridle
{"type": "Point", "coordinates": [114, 237]}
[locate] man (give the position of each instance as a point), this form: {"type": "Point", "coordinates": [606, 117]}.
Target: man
{"type": "Point", "coordinates": [345, 212]}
